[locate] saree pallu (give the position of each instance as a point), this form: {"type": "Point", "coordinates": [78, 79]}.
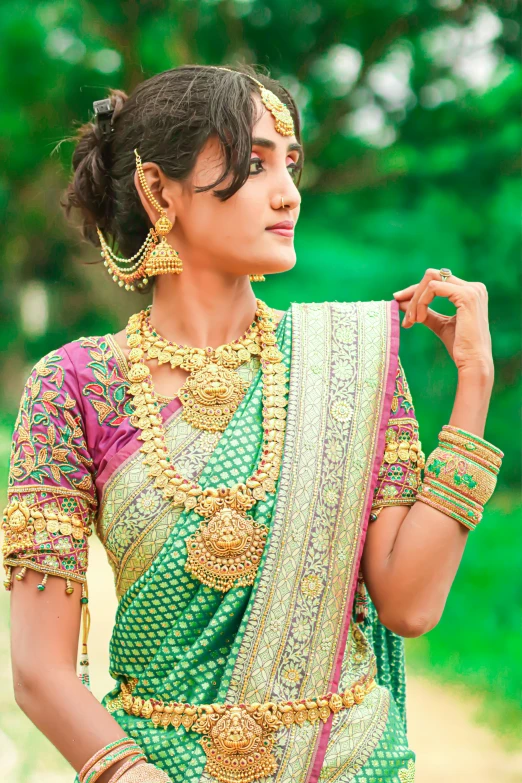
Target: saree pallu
{"type": "Point", "coordinates": [291, 634]}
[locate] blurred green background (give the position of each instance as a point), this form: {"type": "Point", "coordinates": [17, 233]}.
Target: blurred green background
{"type": "Point", "coordinates": [412, 133]}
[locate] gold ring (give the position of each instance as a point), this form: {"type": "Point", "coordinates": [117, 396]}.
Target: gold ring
{"type": "Point", "coordinates": [282, 202]}
{"type": "Point", "coordinates": [445, 273]}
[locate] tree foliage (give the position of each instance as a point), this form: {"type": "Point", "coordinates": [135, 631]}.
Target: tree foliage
{"type": "Point", "coordinates": [412, 140]}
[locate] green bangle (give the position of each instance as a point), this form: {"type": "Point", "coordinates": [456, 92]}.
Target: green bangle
{"type": "Point", "coordinates": [474, 439]}
{"type": "Point", "coordinates": [127, 741]}
{"type": "Point", "coordinates": [424, 497]}
{"type": "Point", "coordinates": [451, 506]}
{"type": "Point", "coordinates": [107, 761]}
{"type": "Point", "coordinates": [468, 478]}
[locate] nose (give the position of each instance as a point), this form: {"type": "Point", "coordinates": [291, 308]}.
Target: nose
{"type": "Point", "coordinates": [288, 197]}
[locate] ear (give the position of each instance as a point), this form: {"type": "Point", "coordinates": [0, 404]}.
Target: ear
{"type": "Point", "coordinates": [162, 191]}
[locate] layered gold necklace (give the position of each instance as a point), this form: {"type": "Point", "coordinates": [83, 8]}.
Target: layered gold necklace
{"type": "Point", "coordinates": [226, 549]}
{"type": "Point", "coordinates": [213, 391]}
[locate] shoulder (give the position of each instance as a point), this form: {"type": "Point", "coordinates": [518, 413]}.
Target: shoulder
{"type": "Point", "coordinates": [72, 350]}
{"type": "Point", "coordinates": [65, 360]}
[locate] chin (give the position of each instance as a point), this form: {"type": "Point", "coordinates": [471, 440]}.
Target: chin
{"type": "Point", "coordinates": [274, 266]}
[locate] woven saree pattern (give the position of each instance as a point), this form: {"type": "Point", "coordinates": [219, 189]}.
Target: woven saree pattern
{"type": "Point", "coordinates": [291, 634]}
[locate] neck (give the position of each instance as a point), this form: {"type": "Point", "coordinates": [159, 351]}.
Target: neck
{"type": "Point", "coordinates": [203, 309]}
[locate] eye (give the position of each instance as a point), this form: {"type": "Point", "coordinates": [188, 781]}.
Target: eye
{"type": "Point", "coordinates": [294, 167]}
{"type": "Point", "coordinates": [257, 162]}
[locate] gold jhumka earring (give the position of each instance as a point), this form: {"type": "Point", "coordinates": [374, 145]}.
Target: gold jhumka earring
{"type": "Point", "coordinates": [153, 258]}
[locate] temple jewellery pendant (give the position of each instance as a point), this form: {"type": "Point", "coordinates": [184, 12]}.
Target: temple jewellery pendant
{"type": "Point", "coordinates": [213, 391]}
{"type": "Point", "coordinates": [226, 549]}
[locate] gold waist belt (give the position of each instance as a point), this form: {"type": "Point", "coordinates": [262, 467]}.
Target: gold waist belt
{"type": "Point", "coordinates": [238, 738]}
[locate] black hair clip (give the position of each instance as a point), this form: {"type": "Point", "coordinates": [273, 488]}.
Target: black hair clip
{"type": "Point", "coordinates": [104, 111]}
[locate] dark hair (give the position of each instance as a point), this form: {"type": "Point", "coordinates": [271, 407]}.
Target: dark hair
{"type": "Point", "coordinates": [168, 118]}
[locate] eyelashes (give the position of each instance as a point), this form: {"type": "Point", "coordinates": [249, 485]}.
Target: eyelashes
{"type": "Point", "coordinates": [294, 168]}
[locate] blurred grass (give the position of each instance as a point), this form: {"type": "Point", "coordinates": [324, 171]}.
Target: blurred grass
{"type": "Point", "coordinates": [478, 641]}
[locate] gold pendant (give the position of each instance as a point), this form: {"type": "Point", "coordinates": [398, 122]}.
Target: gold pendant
{"type": "Point", "coordinates": [238, 745]}
{"type": "Point", "coordinates": [211, 396]}
{"type": "Point", "coordinates": [226, 549]}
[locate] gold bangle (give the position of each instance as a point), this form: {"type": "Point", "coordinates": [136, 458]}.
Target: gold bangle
{"type": "Point", "coordinates": [125, 767]}
{"type": "Point", "coordinates": [89, 764]}
{"type": "Point", "coordinates": [471, 449]}
{"type": "Point", "coordinates": [146, 773]}
{"type": "Point", "coordinates": [452, 495]}
{"type": "Point", "coordinates": [494, 454]}
{"type": "Point", "coordinates": [463, 514]}
{"type": "Point", "coordinates": [460, 474]}
{"type": "Point", "coordinates": [109, 760]}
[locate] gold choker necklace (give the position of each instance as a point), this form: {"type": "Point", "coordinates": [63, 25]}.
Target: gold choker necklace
{"type": "Point", "coordinates": [212, 392]}
{"type": "Point", "coordinates": [226, 549]}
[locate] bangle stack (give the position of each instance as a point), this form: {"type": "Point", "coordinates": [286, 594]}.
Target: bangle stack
{"type": "Point", "coordinates": [125, 747]}
{"type": "Point", "coordinates": [144, 773]}
{"type": "Point", "coordinates": [460, 475]}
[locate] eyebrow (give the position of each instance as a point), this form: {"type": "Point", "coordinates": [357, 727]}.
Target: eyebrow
{"type": "Point", "coordinates": [258, 141]}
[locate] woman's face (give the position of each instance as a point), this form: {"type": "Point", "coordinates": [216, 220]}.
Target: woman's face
{"type": "Point", "coordinates": [233, 236]}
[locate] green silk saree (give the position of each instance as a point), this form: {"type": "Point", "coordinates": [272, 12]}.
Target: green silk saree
{"type": "Point", "coordinates": [291, 635]}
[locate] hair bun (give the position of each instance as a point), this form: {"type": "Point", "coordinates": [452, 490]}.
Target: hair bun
{"type": "Point", "coordinates": [90, 190]}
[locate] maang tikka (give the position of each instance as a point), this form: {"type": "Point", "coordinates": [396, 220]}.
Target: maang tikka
{"type": "Point", "coordinates": [155, 256]}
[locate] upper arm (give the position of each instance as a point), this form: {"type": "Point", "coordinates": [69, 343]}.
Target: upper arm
{"type": "Point", "coordinates": [399, 477]}
{"type": "Point", "coordinates": [48, 519]}
{"type": "Point", "coordinates": [44, 630]}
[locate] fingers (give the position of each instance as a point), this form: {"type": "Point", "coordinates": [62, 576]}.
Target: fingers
{"type": "Point", "coordinates": [467, 294]}
{"type": "Point", "coordinates": [406, 293]}
{"type": "Point", "coordinates": [431, 275]}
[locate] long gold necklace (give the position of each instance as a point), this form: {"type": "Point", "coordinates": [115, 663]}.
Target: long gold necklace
{"type": "Point", "coordinates": [212, 392]}
{"type": "Point", "coordinates": [226, 549]}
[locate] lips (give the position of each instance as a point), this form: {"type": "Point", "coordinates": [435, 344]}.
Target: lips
{"type": "Point", "coordinates": [284, 224]}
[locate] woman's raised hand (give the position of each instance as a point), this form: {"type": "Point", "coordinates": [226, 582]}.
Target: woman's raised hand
{"type": "Point", "coordinates": [465, 334]}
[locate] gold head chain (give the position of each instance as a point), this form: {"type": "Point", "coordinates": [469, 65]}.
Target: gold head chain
{"type": "Point", "coordinates": [156, 256]}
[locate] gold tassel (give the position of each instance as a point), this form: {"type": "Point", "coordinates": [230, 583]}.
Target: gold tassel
{"type": "Point", "coordinates": [361, 600]}
{"type": "Point", "coordinates": [20, 575]}
{"type": "Point", "coordinates": [7, 581]}
{"type": "Point", "coordinates": [83, 673]}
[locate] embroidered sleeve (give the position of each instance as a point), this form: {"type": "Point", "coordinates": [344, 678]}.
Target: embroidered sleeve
{"type": "Point", "coordinates": [52, 502]}
{"type": "Point", "coordinates": [403, 459]}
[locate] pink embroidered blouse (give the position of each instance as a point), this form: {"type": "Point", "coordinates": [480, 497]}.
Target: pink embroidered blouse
{"type": "Point", "coordinates": [73, 419]}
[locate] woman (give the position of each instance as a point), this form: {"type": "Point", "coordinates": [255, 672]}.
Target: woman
{"type": "Point", "coordinates": [245, 492]}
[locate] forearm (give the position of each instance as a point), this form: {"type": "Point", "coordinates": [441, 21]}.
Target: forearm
{"type": "Point", "coordinates": [63, 709]}
{"type": "Point", "coordinates": [425, 546]}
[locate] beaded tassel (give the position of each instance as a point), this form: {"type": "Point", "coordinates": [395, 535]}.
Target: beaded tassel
{"type": "Point", "coordinates": [42, 584]}
{"type": "Point", "coordinates": [361, 600]}
{"type": "Point", "coordinates": [7, 581]}
{"type": "Point", "coordinates": [83, 673]}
